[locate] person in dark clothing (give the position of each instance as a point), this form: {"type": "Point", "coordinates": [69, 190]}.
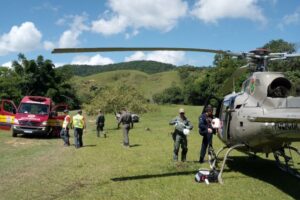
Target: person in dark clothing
{"type": "Point", "coordinates": [100, 124]}
{"type": "Point", "coordinates": [180, 139]}
{"type": "Point", "coordinates": [206, 131]}
{"type": "Point", "coordinates": [127, 123]}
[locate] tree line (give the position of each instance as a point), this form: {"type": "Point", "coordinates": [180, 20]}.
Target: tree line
{"type": "Point", "coordinates": [37, 78]}
{"type": "Point", "coordinates": [40, 77]}
{"type": "Point", "coordinates": [200, 83]}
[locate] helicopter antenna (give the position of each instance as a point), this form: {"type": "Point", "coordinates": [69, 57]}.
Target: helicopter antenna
{"type": "Point", "coordinates": [233, 85]}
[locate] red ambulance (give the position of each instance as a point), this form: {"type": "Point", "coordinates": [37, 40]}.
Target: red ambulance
{"type": "Point", "coordinates": [37, 115]}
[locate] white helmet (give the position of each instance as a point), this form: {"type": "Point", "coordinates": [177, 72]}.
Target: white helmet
{"type": "Point", "coordinates": [186, 131]}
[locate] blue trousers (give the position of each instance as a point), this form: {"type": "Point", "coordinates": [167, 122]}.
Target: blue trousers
{"type": "Point", "coordinates": [206, 141]}
{"type": "Point", "coordinates": [78, 137]}
{"type": "Point", "coordinates": [64, 134]}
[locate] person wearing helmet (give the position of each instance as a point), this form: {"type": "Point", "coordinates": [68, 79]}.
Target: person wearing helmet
{"type": "Point", "coordinates": [205, 130]}
{"type": "Point", "coordinates": [182, 125]}
{"type": "Point", "coordinates": [64, 133]}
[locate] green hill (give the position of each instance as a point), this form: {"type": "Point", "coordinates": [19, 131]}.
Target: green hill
{"type": "Point", "coordinates": [147, 84]}
{"type": "Point", "coordinates": [149, 67]}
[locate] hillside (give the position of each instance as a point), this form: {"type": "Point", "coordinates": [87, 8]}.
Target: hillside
{"type": "Point", "coordinates": [149, 67]}
{"type": "Point", "coordinates": [147, 84]}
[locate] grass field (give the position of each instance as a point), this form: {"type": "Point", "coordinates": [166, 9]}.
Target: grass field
{"type": "Point", "coordinates": [39, 168]}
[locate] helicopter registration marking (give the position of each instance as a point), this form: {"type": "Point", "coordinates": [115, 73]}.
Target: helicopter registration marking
{"type": "Point", "coordinates": [286, 126]}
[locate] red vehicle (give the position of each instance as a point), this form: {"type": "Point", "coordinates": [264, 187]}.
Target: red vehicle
{"type": "Point", "coordinates": [7, 114]}
{"type": "Point", "coordinates": [37, 115]}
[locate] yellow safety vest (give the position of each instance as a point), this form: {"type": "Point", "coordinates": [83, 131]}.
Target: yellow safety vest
{"type": "Point", "coordinates": [78, 121]}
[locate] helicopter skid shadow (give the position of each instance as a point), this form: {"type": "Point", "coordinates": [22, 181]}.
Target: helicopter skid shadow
{"type": "Point", "coordinates": [149, 176]}
{"type": "Point", "coordinates": [267, 171]}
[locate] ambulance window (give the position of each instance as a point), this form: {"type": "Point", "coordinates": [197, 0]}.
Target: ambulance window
{"type": "Point", "coordinates": [8, 107]}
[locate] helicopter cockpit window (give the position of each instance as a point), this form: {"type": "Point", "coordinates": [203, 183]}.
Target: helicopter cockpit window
{"type": "Point", "coordinates": [246, 86]}
{"type": "Point", "coordinates": [279, 88]}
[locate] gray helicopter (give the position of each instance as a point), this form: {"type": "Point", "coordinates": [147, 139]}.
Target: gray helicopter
{"type": "Point", "coordinates": [263, 117]}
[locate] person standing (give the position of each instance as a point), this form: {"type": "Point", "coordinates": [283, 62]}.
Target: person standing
{"type": "Point", "coordinates": [127, 123]}
{"type": "Point", "coordinates": [79, 125]}
{"type": "Point", "coordinates": [100, 124]}
{"type": "Point", "coordinates": [64, 133]}
{"type": "Point", "coordinates": [180, 139]}
{"type": "Point", "coordinates": [206, 131]}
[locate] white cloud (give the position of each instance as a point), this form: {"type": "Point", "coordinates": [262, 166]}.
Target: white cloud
{"type": "Point", "coordinates": [94, 60]}
{"type": "Point", "coordinates": [172, 57]}
{"type": "Point", "coordinates": [156, 14]}
{"type": "Point", "coordinates": [293, 18]}
{"type": "Point", "coordinates": [210, 11]}
{"type": "Point", "coordinates": [59, 64]}
{"type": "Point", "coordinates": [70, 37]}
{"type": "Point", "coordinates": [20, 39]}
{"type": "Point", "coordinates": [7, 64]}
{"type": "Point", "coordinates": [115, 25]}
{"type": "Point", "coordinates": [49, 45]}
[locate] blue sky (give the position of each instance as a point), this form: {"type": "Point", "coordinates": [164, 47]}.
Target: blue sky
{"type": "Point", "coordinates": [35, 27]}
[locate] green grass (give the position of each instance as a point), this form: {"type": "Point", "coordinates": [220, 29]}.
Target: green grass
{"type": "Point", "coordinates": [33, 168]}
{"type": "Point", "coordinates": [147, 84]}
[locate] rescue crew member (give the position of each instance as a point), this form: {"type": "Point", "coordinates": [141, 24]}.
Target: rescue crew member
{"type": "Point", "coordinates": [100, 124]}
{"type": "Point", "coordinates": [64, 133]}
{"type": "Point", "coordinates": [79, 125]}
{"type": "Point", "coordinates": [206, 131]}
{"type": "Point", "coordinates": [180, 139]}
{"type": "Point", "coordinates": [127, 123]}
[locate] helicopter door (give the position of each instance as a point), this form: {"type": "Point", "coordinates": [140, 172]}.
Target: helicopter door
{"type": "Point", "coordinates": [225, 120]}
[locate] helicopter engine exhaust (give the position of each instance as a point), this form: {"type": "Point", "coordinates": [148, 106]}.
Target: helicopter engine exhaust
{"type": "Point", "coordinates": [279, 88]}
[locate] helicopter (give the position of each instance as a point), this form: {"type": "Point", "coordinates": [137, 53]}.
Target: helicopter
{"type": "Point", "coordinates": [261, 118]}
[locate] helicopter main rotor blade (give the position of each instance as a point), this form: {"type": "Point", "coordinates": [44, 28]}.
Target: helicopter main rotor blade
{"type": "Point", "coordinates": [112, 49]}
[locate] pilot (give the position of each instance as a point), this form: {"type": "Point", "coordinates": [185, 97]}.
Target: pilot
{"type": "Point", "coordinates": [206, 131]}
{"type": "Point", "coordinates": [127, 123]}
{"type": "Point", "coordinates": [180, 139]}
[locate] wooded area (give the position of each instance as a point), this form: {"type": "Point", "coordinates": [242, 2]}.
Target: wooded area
{"type": "Point", "coordinates": [40, 77]}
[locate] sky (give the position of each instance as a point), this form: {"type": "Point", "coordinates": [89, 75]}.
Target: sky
{"type": "Point", "coordinates": [35, 27]}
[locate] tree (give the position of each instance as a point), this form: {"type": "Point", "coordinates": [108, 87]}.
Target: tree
{"type": "Point", "coordinates": [115, 98]}
{"type": "Point", "coordinates": [35, 77]}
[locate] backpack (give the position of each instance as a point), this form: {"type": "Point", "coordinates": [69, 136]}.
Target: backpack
{"type": "Point", "coordinates": [207, 176]}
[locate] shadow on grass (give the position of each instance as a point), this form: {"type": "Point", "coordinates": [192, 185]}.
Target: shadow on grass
{"type": "Point", "coordinates": [35, 136]}
{"type": "Point", "coordinates": [135, 145]}
{"type": "Point", "coordinates": [267, 171]}
{"type": "Point", "coordinates": [149, 176]}
{"type": "Point", "coordinates": [90, 145]}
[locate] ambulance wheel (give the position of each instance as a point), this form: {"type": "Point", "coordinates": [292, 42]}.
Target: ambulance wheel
{"type": "Point", "coordinates": [14, 134]}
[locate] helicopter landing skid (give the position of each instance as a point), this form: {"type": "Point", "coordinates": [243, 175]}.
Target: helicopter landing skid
{"type": "Point", "coordinates": [213, 157]}
{"type": "Point", "coordinates": [287, 162]}
{"type": "Point", "coordinates": [220, 180]}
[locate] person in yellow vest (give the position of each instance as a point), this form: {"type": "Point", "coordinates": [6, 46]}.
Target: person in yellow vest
{"type": "Point", "coordinates": [78, 124]}
{"type": "Point", "coordinates": [64, 133]}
